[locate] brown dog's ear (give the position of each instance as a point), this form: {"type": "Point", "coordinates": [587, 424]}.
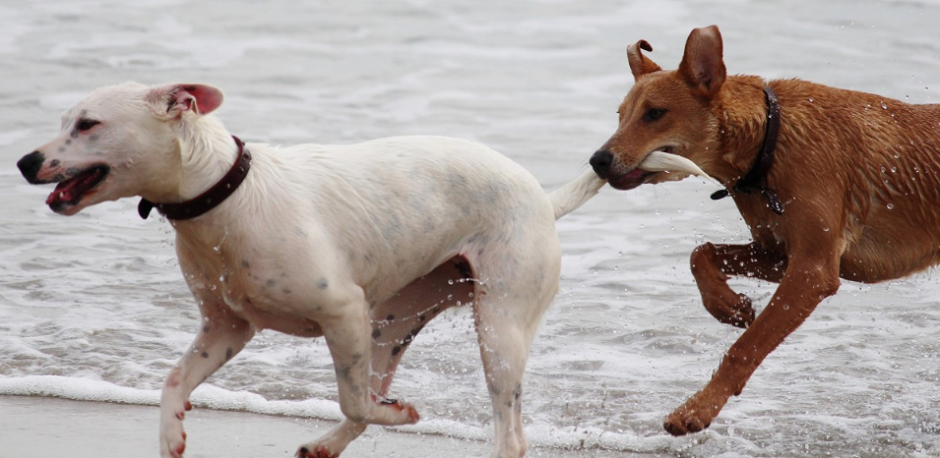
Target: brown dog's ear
{"type": "Point", "coordinates": [702, 65]}
{"type": "Point", "coordinates": [172, 100]}
{"type": "Point", "coordinates": [640, 64]}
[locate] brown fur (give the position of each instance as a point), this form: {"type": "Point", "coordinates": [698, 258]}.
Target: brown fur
{"type": "Point", "coordinates": [858, 173]}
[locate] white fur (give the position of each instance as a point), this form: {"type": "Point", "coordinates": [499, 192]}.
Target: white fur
{"type": "Point", "coordinates": [661, 161]}
{"type": "Point", "coordinates": [362, 244]}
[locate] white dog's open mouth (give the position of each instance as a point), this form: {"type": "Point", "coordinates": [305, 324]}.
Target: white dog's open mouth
{"type": "Point", "coordinates": [70, 192]}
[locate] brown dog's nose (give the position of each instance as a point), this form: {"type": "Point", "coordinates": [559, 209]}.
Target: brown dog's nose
{"type": "Point", "coordinates": [600, 162]}
{"type": "Point", "coordinates": [30, 164]}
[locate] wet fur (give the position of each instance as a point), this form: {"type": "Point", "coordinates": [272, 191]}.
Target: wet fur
{"type": "Point", "coordinates": [859, 175]}
{"type": "Point", "coordinates": [361, 244]}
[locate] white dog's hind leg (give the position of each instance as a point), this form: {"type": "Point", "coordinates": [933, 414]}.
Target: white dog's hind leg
{"type": "Point", "coordinates": [348, 336]}
{"type": "Point", "coordinates": [519, 283]}
{"type": "Point", "coordinates": [395, 324]}
{"type": "Point", "coordinates": [504, 349]}
{"type": "Point", "coordinates": [221, 337]}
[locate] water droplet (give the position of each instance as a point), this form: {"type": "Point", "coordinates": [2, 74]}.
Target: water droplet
{"type": "Point", "coordinates": [810, 100]}
{"type": "Point", "coordinates": [825, 229]}
{"type": "Point", "coordinates": [883, 105]}
{"type": "Point", "coordinates": [890, 206]}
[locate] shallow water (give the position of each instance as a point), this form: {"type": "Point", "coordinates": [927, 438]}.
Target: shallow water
{"type": "Point", "coordinates": [94, 306]}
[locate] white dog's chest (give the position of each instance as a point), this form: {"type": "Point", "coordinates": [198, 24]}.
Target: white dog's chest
{"type": "Point", "coordinates": [266, 304]}
{"type": "Point", "coordinates": [266, 298]}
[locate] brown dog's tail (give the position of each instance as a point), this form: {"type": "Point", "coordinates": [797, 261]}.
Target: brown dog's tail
{"type": "Point", "coordinates": [569, 197]}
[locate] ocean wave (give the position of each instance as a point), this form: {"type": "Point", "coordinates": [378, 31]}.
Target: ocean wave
{"type": "Point", "coordinates": [207, 396]}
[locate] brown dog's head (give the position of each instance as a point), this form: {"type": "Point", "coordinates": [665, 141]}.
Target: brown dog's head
{"type": "Point", "coordinates": [665, 112]}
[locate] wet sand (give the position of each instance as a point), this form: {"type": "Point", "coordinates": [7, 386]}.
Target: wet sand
{"type": "Point", "coordinates": [40, 426]}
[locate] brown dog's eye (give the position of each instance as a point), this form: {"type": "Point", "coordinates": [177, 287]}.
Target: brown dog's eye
{"type": "Point", "coordinates": [86, 124]}
{"type": "Point", "coordinates": [654, 114]}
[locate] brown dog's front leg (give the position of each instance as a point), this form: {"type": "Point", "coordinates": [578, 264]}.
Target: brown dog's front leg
{"type": "Point", "coordinates": [711, 266]}
{"type": "Point", "coordinates": [807, 282]}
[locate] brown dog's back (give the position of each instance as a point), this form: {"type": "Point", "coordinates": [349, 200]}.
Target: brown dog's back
{"type": "Point", "coordinates": [882, 156]}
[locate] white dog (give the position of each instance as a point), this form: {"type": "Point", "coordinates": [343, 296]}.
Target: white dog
{"type": "Point", "coordinates": [361, 244]}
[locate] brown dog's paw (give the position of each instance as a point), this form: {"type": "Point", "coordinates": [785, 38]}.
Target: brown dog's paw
{"type": "Point", "coordinates": [695, 415]}
{"type": "Point", "coordinates": [738, 312]}
{"type": "Point", "coordinates": [680, 425]}
{"type": "Point", "coordinates": [744, 313]}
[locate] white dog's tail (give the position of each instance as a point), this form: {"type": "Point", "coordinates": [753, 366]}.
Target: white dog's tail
{"type": "Point", "coordinates": [569, 197]}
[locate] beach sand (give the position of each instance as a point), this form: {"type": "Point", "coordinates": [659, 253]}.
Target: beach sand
{"type": "Point", "coordinates": [41, 426]}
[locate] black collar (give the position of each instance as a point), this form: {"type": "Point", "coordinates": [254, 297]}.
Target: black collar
{"type": "Point", "coordinates": [756, 178]}
{"type": "Point", "coordinates": [209, 199]}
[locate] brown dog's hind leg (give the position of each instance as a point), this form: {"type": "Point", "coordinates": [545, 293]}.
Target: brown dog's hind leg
{"type": "Point", "coordinates": [711, 266]}
{"type": "Point", "coordinates": [808, 280]}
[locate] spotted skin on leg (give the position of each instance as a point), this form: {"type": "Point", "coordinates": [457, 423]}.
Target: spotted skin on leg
{"type": "Point", "coordinates": [396, 323]}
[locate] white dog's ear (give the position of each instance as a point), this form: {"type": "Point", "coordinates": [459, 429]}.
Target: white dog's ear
{"type": "Point", "coordinates": [170, 101]}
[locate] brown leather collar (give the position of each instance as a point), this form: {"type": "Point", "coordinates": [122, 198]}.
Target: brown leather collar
{"type": "Point", "coordinates": [756, 178]}
{"type": "Point", "coordinates": [209, 199]}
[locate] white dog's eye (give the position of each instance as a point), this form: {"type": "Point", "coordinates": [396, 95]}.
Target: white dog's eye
{"type": "Point", "coordinates": [86, 124]}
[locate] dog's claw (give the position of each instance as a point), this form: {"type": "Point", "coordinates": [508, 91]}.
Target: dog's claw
{"type": "Point", "coordinates": [744, 313]}
{"type": "Point", "coordinates": [738, 314]}
{"type": "Point", "coordinates": [692, 417]}
{"type": "Point", "coordinates": [320, 452]}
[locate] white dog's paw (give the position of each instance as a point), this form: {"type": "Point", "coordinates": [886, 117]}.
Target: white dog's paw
{"type": "Point", "coordinates": [315, 451]}
{"type": "Point", "coordinates": [172, 435]}
{"type": "Point", "coordinates": [173, 442]}
{"type": "Point", "coordinates": [406, 413]}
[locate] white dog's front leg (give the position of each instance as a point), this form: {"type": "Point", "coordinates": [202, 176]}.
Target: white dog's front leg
{"type": "Point", "coordinates": [220, 338]}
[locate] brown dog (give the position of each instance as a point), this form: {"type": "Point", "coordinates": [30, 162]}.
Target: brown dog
{"type": "Point", "coordinates": [852, 190]}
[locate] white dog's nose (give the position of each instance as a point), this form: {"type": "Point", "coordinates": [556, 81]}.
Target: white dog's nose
{"type": "Point", "coordinates": [30, 164]}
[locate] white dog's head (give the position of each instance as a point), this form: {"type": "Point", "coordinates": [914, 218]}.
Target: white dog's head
{"type": "Point", "coordinates": [120, 141]}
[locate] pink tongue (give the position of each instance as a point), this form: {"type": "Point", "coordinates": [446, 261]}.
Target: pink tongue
{"type": "Point", "coordinates": [635, 174]}
{"type": "Point", "coordinates": [63, 191]}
